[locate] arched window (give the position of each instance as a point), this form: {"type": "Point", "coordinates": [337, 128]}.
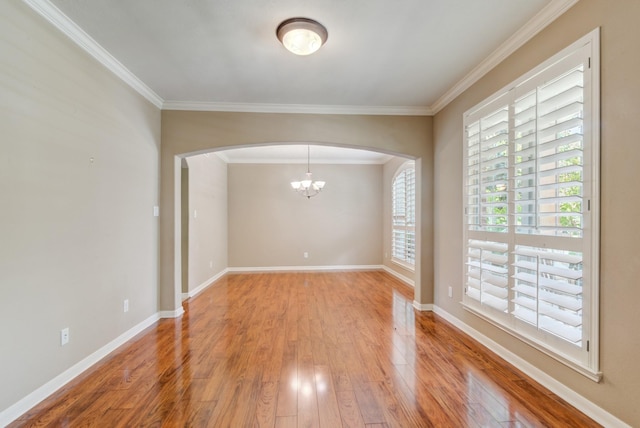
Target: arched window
{"type": "Point", "coordinates": [403, 215]}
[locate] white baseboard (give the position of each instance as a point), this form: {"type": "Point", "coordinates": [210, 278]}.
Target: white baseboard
{"type": "Point", "coordinates": [410, 282]}
{"type": "Point", "coordinates": [15, 411]}
{"type": "Point", "coordinates": [576, 400]}
{"type": "Point", "coordinates": [176, 313]}
{"type": "Point", "coordinates": [204, 285]}
{"type": "Point", "coordinates": [589, 408]}
{"type": "Point", "coordinates": [423, 307]}
{"type": "Point", "coordinates": [248, 269]}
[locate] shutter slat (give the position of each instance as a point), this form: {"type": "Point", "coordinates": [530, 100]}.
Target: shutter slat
{"type": "Point", "coordinates": [494, 302]}
{"type": "Point", "coordinates": [557, 157]}
{"type": "Point", "coordinates": [566, 317]}
{"type": "Point", "coordinates": [548, 255]}
{"type": "Point", "coordinates": [567, 332]}
{"type": "Point", "coordinates": [526, 303]}
{"type": "Point", "coordinates": [559, 91]}
{"type": "Point", "coordinates": [571, 110]}
{"type": "Point", "coordinates": [490, 246]}
{"type": "Point", "coordinates": [497, 292]}
{"type": "Point", "coordinates": [525, 314]}
{"type": "Point", "coordinates": [526, 290]}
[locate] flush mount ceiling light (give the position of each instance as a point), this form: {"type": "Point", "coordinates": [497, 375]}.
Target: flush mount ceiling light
{"type": "Point", "coordinates": [302, 36]}
{"type": "Point", "coordinates": [308, 187]}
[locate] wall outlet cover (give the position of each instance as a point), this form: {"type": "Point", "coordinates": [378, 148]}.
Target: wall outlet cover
{"type": "Point", "coordinates": [64, 336]}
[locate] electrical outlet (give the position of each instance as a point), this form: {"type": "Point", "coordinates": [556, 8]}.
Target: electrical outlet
{"type": "Point", "coordinates": [450, 291]}
{"type": "Point", "coordinates": [305, 255]}
{"type": "Point", "coordinates": [64, 336]}
{"type": "Point", "coordinates": [125, 306]}
{"type": "Point", "coordinates": [211, 264]}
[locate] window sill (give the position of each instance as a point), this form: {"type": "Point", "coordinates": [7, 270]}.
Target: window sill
{"type": "Point", "coordinates": [404, 265]}
{"type": "Point", "coordinates": [588, 372]}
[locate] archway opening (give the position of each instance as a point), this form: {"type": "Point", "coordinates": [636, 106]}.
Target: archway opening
{"type": "Point", "coordinates": [269, 227]}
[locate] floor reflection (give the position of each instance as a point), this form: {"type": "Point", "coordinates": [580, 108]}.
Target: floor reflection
{"type": "Point", "coordinates": [304, 349]}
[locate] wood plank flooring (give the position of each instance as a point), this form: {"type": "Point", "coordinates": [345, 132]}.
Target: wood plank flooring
{"type": "Point", "coordinates": [303, 350]}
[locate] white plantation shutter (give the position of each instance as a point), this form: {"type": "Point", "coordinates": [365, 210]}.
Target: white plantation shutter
{"type": "Point", "coordinates": [530, 176]}
{"type": "Point", "coordinates": [487, 279]}
{"type": "Point", "coordinates": [488, 151]}
{"type": "Point", "coordinates": [547, 291]}
{"type": "Point", "coordinates": [548, 147]}
{"type": "Point", "coordinates": [403, 239]}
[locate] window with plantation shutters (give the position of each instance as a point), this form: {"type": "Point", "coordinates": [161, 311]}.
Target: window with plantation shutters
{"type": "Point", "coordinates": [531, 207]}
{"type": "Point", "coordinates": [403, 229]}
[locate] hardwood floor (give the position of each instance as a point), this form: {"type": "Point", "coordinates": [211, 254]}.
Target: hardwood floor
{"type": "Point", "coordinates": [303, 350]}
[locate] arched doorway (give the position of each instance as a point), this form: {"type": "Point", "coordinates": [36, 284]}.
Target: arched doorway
{"type": "Point", "coordinates": [240, 213]}
{"type": "Point", "coordinates": [187, 133]}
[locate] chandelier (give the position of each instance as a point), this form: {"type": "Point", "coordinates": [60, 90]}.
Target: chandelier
{"type": "Point", "coordinates": [308, 187]}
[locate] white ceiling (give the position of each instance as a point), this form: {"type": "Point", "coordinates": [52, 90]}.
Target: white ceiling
{"type": "Point", "coordinates": [381, 57]}
{"type": "Point", "coordinates": [380, 54]}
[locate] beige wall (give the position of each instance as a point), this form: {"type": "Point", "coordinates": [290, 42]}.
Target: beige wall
{"type": "Point", "coordinates": [388, 173]}
{"type": "Point", "coordinates": [185, 132]}
{"type": "Point", "coordinates": [620, 260]}
{"type": "Point", "coordinates": [207, 219]}
{"type": "Point", "coordinates": [270, 225]}
{"type": "Point", "coordinates": [76, 237]}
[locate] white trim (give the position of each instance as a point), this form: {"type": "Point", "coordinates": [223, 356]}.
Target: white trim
{"type": "Point", "coordinates": [298, 108]}
{"type": "Point", "coordinates": [248, 269]}
{"type": "Point", "coordinates": [204, 285]}
{"type": "Point", "coordinates": [59, 20]}
{"type": "Point", "coordinates": [596, 123]}
{"type": "Point", "coordinates": [423, 307]}
{"type": "Point", "coordinates": [176, 313]}
{"type": "Point", "coordinates": [595, 376]}
{"type": "Point", "coordinates": [587, 407]}
{"type": "Point", "coordinates": [545, 17]}
{"type": "Point", "coordinates": [53, 15]}
{"type": "Point", "coordinates": [25, 404]}
{"type": "Point", "coordinates": [410, 282]}
{"type": "Point", "coordinates": [222, 155]}
{"type": "Point", "coordinates": [316, 161]}
{"type": "Point", "coordinates": [402, 263]}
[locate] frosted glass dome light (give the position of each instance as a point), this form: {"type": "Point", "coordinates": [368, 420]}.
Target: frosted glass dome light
{"type": "Point", "coordinates": [302, 36]}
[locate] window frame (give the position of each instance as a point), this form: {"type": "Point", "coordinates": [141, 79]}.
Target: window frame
{"type": "Point", "coordinates": [586, 361]}
{"type": "Point", "coordinates": [408, 165]}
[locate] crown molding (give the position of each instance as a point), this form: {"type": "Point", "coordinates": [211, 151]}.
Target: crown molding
{"type": "Point", "coordinates": [297, 108]}
{"type": "Point", "coordinates": [51, 13]}
{"type": "Point", "coordinates": [59, 20]}
{"type": "Point", "coordinates": [545, 17]}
